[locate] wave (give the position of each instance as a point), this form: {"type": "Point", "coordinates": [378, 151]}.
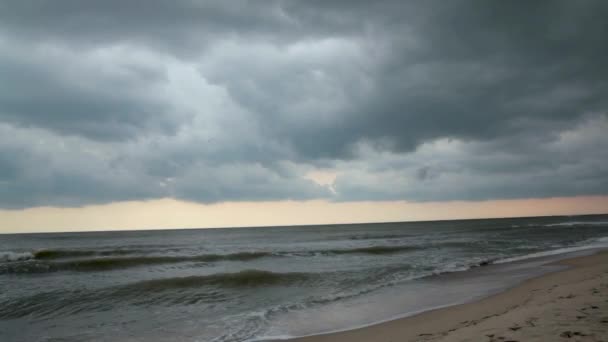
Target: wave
{"type": "Point", "coordinates": [34, 265]}
{"type": "Point", "coordinates": [50, 254]}
{"type": "Point", "coordinates": [601, 242]}
{"type": "Point", "coordinates": [83, 265]}
{"type": "Point", "coordinates": [460, 244]}
{"type": "Point", "coordinates": [239, 256]}
{"type": "Point", "coordinates": [377, 237]}
{"type": "Point", "coordinates": [372, 250]}
{"type": "Point", "coordinates": [80, 260]}
{"type": "Point", "coordinates": [577, 223]}
{"type": "Point", "coordinates": [195, 290]}
{"type": "Point", "coordinates": [543, 254]}
{"type": "Point", "coordinates": [10, 256]}
{"type": "Point", "coordinates": [103, 264]}
{"type": "Point", "coordinates": [55, 254]}
{"type": "Point", "coordinates": [53, 260]}
{"type": "Point", "coordinates": [245, 278]}
{"type": "Point", "coordinates": [167, 291]}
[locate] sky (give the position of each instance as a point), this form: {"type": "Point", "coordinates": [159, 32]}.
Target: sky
{"type": "Point", "coordinates": [170, 114]}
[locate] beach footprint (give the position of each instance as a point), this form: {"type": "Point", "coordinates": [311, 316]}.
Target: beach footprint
{"type": "Point", "coordinates": [570, 334]}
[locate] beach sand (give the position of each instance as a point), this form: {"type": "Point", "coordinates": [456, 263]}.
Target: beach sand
{"type": "Point", "coordinates": [568, 305]}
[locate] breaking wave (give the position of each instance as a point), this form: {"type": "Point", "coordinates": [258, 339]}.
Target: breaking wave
{"type": "Point", "coordinates": [168, 291]}
{"type": "Point", "coordinates": [578, 223]}
{"type": "Point", "coordinates": [82, 260]}
{"type": "Point", "coordinates": [601, 242]}
{"type": "Point", "coordinates": [50, 260]}
{"type": "Point", "coordinates": [50, 254]}
{"type": "Point", "coordinates": [245, 278]}
{"type": "Point", "coordinates": [15, 256]}
{"type": "Point", "coordinates": [55, 254]}
{"type": "Point", "coordinates": [30, 264]}
{"type": "Point", "coordinates": [373, 250]}
{"type": "Point", "coordinates": [377, 236]}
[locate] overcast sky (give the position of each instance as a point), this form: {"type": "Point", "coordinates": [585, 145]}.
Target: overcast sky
{"type": "Point", "coordinates": [340, 101]}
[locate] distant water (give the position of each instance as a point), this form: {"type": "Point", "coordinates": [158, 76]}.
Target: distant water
{"type": "Point", "coordinates": [246, 284]}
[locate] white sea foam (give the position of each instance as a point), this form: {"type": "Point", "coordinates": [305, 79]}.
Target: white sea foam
{"type": "Point", "coordinates": [578, 223]}
{"type": "Point", "coordinates": [9, 256]}
{"type": "Point", "coordinates": [589, 244]}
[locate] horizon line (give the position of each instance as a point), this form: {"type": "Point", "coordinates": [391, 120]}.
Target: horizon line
{"type": "Point", "coordinates": [304, 225]}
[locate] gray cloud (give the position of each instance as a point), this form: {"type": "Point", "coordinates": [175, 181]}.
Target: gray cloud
{"type": "Point", "coordinates": [222, 101]}
{"type": "Point", "coordinates": [475, 71]}
{"type": "Point", "coordinates": [480, 170]}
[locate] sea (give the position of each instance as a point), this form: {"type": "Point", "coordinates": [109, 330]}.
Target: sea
{"type": "Point", "coordinates": [268, 283]}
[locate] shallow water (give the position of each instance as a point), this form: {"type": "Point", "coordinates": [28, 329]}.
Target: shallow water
{"type": "Point", "coordinates": [255, 283]}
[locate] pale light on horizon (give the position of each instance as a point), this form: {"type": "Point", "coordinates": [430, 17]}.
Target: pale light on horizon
{"type": "Point", "coordinates": [170, 213]}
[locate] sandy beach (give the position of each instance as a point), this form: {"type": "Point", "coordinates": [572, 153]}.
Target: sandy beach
{"type": "Point", "coordinates": [568, 305]}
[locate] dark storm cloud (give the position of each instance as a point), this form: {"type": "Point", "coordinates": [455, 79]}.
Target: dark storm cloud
{"type": "Point", "coordinates": [214, 101]}
{"type": "Point", "coordinates": [35, 95]}
{"type": "Point", "coordinates": [495, 69]}
{"type": "Point", "coordinates": [38, 170]}
{"type": "Point", "coordinates": [181, 27]}
{"type": "Point", "coordinates": [470, 70]}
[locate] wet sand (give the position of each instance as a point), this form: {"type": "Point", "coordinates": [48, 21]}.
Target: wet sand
{"type": "Point", "coordinates": [568, 305]}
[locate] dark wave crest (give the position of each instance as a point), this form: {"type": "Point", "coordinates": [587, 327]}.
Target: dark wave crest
{"type": "Point", "coordinates": [373, 250]}
{"type": "Point", "coordinates": [52, 254]}
{"type": "Point", "coordinates": [245, 278]}
{"type": "Point", "coordinates": [377, 236]}
{"type": "Point", "coordinates": [112, 263]}
{"type": "Point", "coordinates": [91, 261]}
{"type": "Point", "coordinates": [77, 260]}
{"type": "Point", "coordinates": [169, 291]}
{"type": "Point", "coordinates": [241, 256]}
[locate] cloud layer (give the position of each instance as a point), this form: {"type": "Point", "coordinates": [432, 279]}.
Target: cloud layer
{"type": "Point", "coordinates": [244, 101]}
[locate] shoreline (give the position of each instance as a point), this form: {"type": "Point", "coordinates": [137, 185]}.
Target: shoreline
{"type": "Point", "coordinates": [585, 277]}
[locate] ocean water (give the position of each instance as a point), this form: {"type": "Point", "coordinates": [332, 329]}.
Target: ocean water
{"type": "Point", "coordinates": [250, 284]}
